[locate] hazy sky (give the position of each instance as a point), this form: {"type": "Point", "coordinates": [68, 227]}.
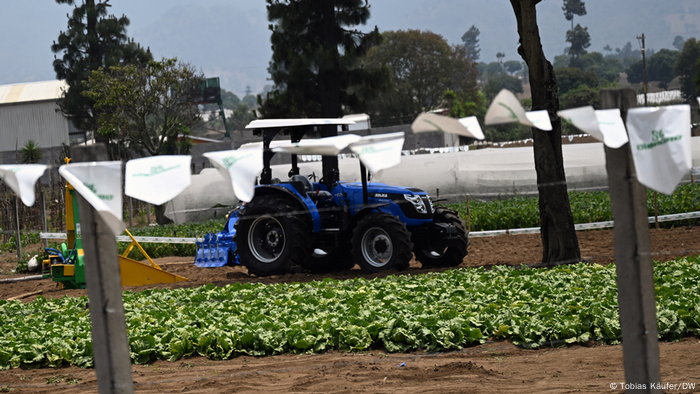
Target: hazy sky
{"type": "Point", "coordinates": [230, 39]}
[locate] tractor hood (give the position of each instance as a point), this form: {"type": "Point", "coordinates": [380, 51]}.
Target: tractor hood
{"type": "Point", "coordinates": [382, 188]}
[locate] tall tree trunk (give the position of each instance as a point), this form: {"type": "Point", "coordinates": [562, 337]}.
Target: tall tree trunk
{"type": "Point", "coordinates": [329, 85]}
{"type": "Point", "coordinates": [559, 241]}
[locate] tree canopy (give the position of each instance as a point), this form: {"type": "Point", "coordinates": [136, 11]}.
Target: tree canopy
{"type": "Point", "coordinates": [573, 7]}
{"type": "Point", "coordinates": [579, 39]}
{"type": "Point", "coordinates": [471, 43]}
{"type": "Point", "coordinates": [660, 68]}
{"type": "Point", "coordinates": [568, 78]}
{"type": "Point", "coordinates": [147, 106]}
{"type": "Point", "coordinates": [93, 39]}
{"type": "Point", "coordinates": [316, 56]}
{"type": "Point", "coordinates": [687, 68]}
{"type": "Point", "coordinates": [422, 66]}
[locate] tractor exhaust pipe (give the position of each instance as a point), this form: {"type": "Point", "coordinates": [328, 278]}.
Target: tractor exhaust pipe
{"type": "Point", "coordinates": [22, 279]}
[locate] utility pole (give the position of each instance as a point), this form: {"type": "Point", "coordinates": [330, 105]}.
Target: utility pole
{"type": "Point", "coordinates": [644, 66]}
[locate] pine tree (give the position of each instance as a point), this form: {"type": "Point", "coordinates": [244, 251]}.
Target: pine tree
{"type": "Point", "coordinates": [573, 7]}
{"type": "Point", "coordinates": [92, 40]}
{"type": "Point", "coordinates": [471, 43]}
{"type": "Point", "coordinates": [315, 61]}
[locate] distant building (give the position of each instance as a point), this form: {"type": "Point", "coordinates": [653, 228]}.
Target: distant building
{"type": "Point", "coordinates": [28, 111]}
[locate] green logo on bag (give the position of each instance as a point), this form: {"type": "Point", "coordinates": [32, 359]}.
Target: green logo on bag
{"type": "Point", "coordinates": [512, 113]}
{"type": "Point", "coordinates": [231, 160]}
{"type": "Point", "coordinates": [158, 170]}
{"type": "Point", "coordinates": [658, 138]}
{"type": "Point", "coordinates": [91, 186]}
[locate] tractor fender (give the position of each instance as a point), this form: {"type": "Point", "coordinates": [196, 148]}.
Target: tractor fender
{"type": "Point", "coordinates": [366, 210]}
{"type": "Point", "coordinates": [304, 204]}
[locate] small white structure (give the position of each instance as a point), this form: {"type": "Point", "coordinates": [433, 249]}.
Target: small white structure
{"type": "Point", "coordinates": [28, 111]}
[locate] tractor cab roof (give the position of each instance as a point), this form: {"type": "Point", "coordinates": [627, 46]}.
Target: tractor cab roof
{"type": "Point", "coordinates": [284, 123]}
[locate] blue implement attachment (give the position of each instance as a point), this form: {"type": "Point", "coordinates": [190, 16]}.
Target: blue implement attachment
{"type": "Point", "coordinates": [218, 250]}
{"type": "Point", "coordinates": [213, 250]}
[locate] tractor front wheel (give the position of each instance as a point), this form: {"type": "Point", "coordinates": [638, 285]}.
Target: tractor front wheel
{"type": "Point", "coordinates": [271, 235]}
{"type": "Point", "coordinates": [442, 255]}
{"type": "Point", "coordinates": [381, 242]}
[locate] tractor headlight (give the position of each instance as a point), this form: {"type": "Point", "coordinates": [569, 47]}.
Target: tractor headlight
{"type": "Point", "coordinates": [417, 203]}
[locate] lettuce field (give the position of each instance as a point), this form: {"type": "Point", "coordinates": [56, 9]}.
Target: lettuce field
{"type": "Point", "coordinates": [430, 312]}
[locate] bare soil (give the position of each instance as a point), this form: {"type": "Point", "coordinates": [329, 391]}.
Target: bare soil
{"type": "Point", "coordinates": [492, 367]}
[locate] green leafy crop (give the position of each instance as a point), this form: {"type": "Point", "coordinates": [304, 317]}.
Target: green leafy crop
{"type": "Point", "coordinates": [586, 207]}
{"type": "Point", "coordinates": [431, 312]}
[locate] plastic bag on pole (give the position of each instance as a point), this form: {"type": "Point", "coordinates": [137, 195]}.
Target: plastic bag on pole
{"type": "Point", "coordinates": [379, 152]}
{"type": "Point", "coordinates": [604, 125]}
{"type": "Point", "coordinates": [506, 108]}
{"type": "Point", "coordinates": [660, 143]}
{"type": "Point", "coordinates": [157, 179]}
{"type": "Point", "coordinates": [100, 184]}
{"type": "Point", "coordinates": [427, 122]}
{"type": "Point", "coordinates": [21, 178]}
{"type": "Point", "coordinates": [472, 124]}
{"type": "Point", "coordinates": [240, 168]}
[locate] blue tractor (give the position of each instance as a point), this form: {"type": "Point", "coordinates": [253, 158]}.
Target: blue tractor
{"type": "Point", "coordinates": [331, 225]}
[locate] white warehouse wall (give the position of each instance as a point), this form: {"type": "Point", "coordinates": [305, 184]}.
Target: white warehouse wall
{"type": "Point", "coordinates": [36, 121]}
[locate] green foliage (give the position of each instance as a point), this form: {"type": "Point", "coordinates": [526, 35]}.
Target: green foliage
{"type": "Point", "coordinates": [561, 61]}
{"type": "Point", "coordinates": [512, 66]}
{"type": "Point", "coordinates": [432, 312]}
{"type": "Point", "coordinates": [471, 43]}
{"type": "Point", "coordinates": [586, 207]}
{"type": "Point", "coordinates": [573, 7]}
{"type": "Point", "coordinates": [149, 106]}
{"type": "Point", "coordinates": [31, 152]}
{"type": "Point", "coordinates": [93, 39]}
{"type": "Point", "coordinates": [605, 68]}
{"type": "Point", "coordinates": [26, 238]}
{"type": "Point", "coordinates": [422, 66]}
{"type": "Point", "coordinates": [580, 97]}
{"type": "Point", "coordinates": [496, 83]}
{"type": "Point", "coordinates": [316, 59]}
{"type": "Point", "coordinates": [569, 78]}
{"type": "Point", "coordinates": [579, 39]}
{"type": "Point", "coordinates": [687, 69]}
{"type": "Point", "coordinates": [660, 68]}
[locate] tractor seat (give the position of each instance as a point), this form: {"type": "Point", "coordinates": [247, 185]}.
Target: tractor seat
{"type": "Point", "coordinates": [308, 188]}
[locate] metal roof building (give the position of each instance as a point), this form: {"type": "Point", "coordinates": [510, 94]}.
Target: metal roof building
{"type": "Point", "coordinates": [28, 111]}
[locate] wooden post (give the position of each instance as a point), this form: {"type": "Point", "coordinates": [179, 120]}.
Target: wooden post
{"type": "Point", "coordinates": [44, 226]}
{"type": "Point", "coordinates": [131, 213]}
{"type": "Point", "coordinates": [469, 216]}
{"type": "Point", "coordinates": [18, 235]}
{"type": "Point", "coordinates": [635, 273]}
{"type": "Point", "coordinates": [656, 212]}
{"type": "Point", "coordinates": [148, 214]}
{"type": "Point", "coordinates": [109, 339]}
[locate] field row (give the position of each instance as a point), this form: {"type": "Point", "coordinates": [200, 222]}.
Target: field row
{"type": "Point", "coordinates": [432, 312]}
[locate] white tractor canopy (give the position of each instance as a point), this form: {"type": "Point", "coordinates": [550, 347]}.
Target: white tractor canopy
{"type": "Point", "coordinates": [282, 123]}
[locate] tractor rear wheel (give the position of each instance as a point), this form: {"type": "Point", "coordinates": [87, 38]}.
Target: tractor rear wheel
{"type": "Point", "coordinates": [271, 236]}
{"type": "Point", "coordinates": [440, 255]}
{"type": "Point", "coordinates": [381, 242]}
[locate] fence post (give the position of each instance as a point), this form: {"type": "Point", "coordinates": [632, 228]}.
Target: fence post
{"type": "Point", "coordinates": [18, 236]}
{"type": "Point", "coordinates": [44, 226]}
{"type": "Point", "coordinates": [148, 214]}
{"type": "Point", "coordinates": [131, 213]}
{"type": "Point", "coordinates": [109, 337]}
{"type": "Point", "coordinates": [635, 273]}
